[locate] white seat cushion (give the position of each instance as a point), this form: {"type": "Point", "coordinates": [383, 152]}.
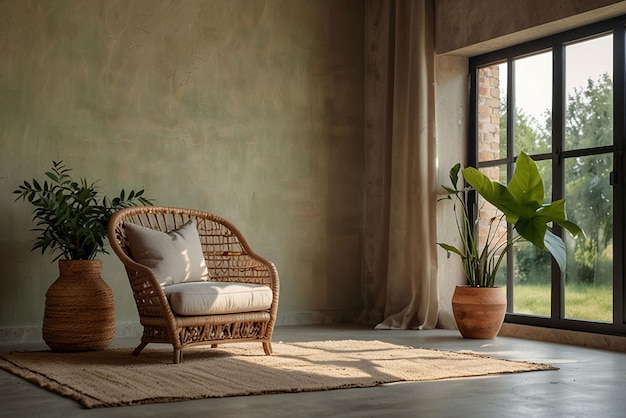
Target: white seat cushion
{"type": "Point", "coordinates": [210, 298]}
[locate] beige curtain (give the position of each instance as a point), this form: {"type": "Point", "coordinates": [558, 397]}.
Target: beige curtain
{"type": "Point", "coordinates": [400, 271]}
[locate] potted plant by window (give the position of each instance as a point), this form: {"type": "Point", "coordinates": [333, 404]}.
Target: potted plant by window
{"type": "Point", "coordinates": [480, 306]}
{"type": "Point", "coordinates": [71, 221]}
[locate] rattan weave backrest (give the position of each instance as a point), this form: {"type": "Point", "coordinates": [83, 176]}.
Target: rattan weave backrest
{"type": "Point", "coordinates": [226, 251]}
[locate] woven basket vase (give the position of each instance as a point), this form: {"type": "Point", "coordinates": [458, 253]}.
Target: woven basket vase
{"type": "Point", "coordinates": [80, 310]}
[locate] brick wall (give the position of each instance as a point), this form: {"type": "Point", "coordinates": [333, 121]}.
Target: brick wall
{"type": "Point", "coordinates": [488, 139]}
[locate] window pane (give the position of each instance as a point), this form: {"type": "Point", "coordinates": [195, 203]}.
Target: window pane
{"type": "Point", "coordinates": [533, 103]}
{"type": "Point", "coordinates": [589, 92]}
{"type": "Point", "coordinates": [492, 112]}
{"type": "Point", "coordinates": [589, 272]}
{"type": "Point", "coordinates": [545, 170]}
{"type": "Point", "coordinates": [531, 281]}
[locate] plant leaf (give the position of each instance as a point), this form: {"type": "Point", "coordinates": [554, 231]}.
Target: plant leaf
{"type": "Point", "coordinates": [493, 192]}
{"type": "Point", "coordinates": [454, 175]}
{"type": "Point", "coordinates": [526, 185]}
{"type": "Point", "coordinates": [52, 176]}
{"type": "Point", "coordinates": [532, 229]}
{"type": "Point", "coordinates": [451, 248]}
{"type": "Point", "coordinates": [554, 244]}
{"type": "Point", "coordinates": [555, 212]}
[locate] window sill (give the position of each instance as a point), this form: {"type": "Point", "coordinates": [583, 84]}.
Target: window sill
{"type": "Point", "coordinates": [585, 339]}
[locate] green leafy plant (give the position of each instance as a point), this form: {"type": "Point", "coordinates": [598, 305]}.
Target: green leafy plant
{"type": "Point", "coordinates": [520, 204]}
{"type": "Point", "coordinates": [72, 216]}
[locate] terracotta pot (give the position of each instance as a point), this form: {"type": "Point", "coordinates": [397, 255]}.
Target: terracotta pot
{"type": "Point", "coordinates": [479, 311]}
{"type": "Point", "coordinates": [80, 310]}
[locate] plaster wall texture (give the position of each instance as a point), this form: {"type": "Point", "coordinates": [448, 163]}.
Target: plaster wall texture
{"type": "Point", "coordinates": [474, 27]}
{"type": "Point", "coordinates": [249, 109]}
{"type": "Point", "coordinates": [451, 119]}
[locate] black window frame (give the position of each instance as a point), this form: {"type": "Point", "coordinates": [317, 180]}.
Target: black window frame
{"type": "Point", "coordinates": [557, 43]}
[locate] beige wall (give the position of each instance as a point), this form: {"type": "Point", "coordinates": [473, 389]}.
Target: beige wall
{"type": "Point", "coordinates": [451, 116]}
{"type": "Point", "coordinates": [250, 109]}
{"type": "Point", "coordinates": [473, 27]}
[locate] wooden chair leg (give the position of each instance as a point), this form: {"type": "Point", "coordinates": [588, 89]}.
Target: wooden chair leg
{"type": "Point", "coordinates": [267, 347]}
{"type": "Point", "coordinates": [178, 355]}
{"type": "Point", "coordinates": [140, 347]}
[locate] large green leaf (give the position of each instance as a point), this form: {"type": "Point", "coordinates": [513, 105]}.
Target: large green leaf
{"type": "Point", "coordinates": [532, 229]}
{"type": "Point", "coordinates": [555, 212]}
{"type": "Point", "coordinates": [493, 192]}
{"type": "Point", "coordinates": [554, 244]}
{"type": "Point", "coordinates": [572, 228]}
{"type": "Point", "coordinates": [526, 185]}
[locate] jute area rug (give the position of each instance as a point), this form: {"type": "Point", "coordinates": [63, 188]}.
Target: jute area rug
{"type": "Point", "coordinates": [114, 377]}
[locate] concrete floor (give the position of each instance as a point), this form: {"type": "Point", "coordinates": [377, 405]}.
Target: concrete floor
{"type": "Point", "coordinates": [590, 382]}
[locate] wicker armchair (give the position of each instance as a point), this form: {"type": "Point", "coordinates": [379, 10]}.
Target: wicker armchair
{"type": "Point", "coordinates": [228, 257]}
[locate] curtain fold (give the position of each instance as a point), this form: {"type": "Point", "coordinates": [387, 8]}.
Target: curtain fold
{"type": "Point", "coordinates": [400, 258]}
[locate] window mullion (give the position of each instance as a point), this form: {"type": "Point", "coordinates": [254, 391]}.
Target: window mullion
{"type": "Point", "coordinates": [510, 156]}
{"type": "Point", "coordinates": [558, 168]}
{"type": "Point", "coordinates": [619, 189]}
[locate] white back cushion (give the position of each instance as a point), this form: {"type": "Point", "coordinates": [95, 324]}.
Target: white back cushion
{"type": "Point", "coordinates": [175, 257]}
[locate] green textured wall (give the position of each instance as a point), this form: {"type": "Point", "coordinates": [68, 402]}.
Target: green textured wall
{"type": "Point", "coordinates": [251, 109]}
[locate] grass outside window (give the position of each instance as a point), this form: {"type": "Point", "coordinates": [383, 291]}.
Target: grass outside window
{"type": "Point", "coordinates": [588, 302]}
